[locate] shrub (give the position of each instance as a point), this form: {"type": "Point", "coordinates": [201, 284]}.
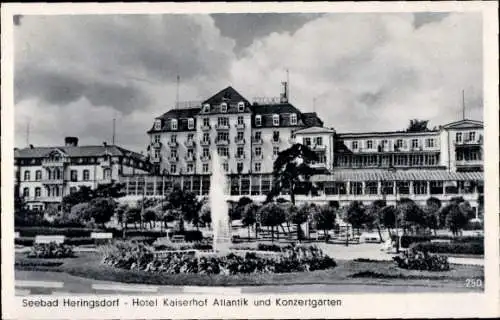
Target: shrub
{"type": "Point", "coordinates": [407, 240]}
{"type": "Point", "coordinates": [51, 250]}
{"type": "Point", "coordinates": [79, 241]}
{"type": "Point", "coordinates": [141, 257]}
{"type": "Point", "coordinates": [145, 233]}
{"type": "Point", "coordinates": [268, 247]}
{"type": "Point", "coordinates": [190, 235]}
{"type": "Point", "coordinates": [64, 231]}
{"type": "Point", "coordinates": [454, 248]}
{"type": "Point", "coordinates": [418, 260]}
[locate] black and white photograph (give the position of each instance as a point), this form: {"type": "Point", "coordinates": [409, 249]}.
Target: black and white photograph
{"type": "Point", "coordinates": [247, 153]}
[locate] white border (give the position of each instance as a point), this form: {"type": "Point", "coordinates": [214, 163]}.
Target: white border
{"type": "Point", "coordinates": [375, 305]}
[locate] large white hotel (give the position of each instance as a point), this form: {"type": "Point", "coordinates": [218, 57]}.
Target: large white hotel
{"type": "Point", "coordinates": [445, 162]}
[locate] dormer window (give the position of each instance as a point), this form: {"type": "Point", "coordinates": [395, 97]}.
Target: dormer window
{"type": "Point", "coordinates": [173, 124]}
{"type": "Point", "coordinates": [206, 107]}
{"type": "Point", "coordinates": [258, 120]}
{"type": "Point", "coordinates": [241, 106]}
{"type": "Point", "coordinates": [157, 124]}
{"type": "Point", "coordinates": [276, 120]}
{"type": "Point", "coordinates": [223, 107]}
{"type": "Point", "coordinates": [293, 119]}
{"type": "Point", "coordinates": [190, 123]}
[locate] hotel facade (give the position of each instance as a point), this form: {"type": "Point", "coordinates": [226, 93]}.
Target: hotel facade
{"type": "Point", "coordinates": [444, 162]}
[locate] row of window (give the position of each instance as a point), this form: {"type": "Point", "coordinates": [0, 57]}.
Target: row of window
{"type": "Point", "coordinates": [222, 151]}
{"type": "Point", "coordinates": [82, 161]}
{"type": "Point", "coordinates": [53, 191]}
{"type": "Point", "coordinates": [466, 137]}
{"type": "Point", "coordinates": [224, 136]}
{"type": "Point", "coordinates": [406, 160]}
{"type": "Point", "coordinates": [205, 167]}
{"type": "Point", "coordinates": [57, 174]}
{"type": "Point", "coordinates": [385, 144]}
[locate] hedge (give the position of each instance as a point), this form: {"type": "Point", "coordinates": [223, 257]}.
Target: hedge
{"type": "Point", "coordinates": [24, 241]}
{"type": "Point", "coordinates": [190, 235]}
{"type": "Point", "coordinates": [46, 231]}
{"type": "Point", "coordinates": [453, 248]}
{"type": "Point", "coordinates": [407, 240]}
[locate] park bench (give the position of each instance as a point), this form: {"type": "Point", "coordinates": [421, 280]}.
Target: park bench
{"type": "Point", "coordinates": [178, 239]}
{"type": "Point", "coordinates": [49, 239]}
{"type": "Point", "coordinates": [101, 237]}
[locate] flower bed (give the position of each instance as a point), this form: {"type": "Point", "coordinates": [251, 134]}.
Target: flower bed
{"type": "Point", "coordinates": [141, 257]}
{"type": "Point", "coordinates": [50, 251]}
{"type": "Point", "coordinates": [418, 260]}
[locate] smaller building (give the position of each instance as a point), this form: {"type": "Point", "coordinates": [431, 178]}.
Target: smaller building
{"type": "Point", "coordinates": [44, 175]}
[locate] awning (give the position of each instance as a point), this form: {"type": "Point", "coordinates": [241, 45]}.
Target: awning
{"type": "Point", "coordinates": [402, 175]}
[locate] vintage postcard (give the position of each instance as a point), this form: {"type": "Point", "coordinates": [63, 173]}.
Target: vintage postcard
{"type": "Point", "coordinates": [279, 160]}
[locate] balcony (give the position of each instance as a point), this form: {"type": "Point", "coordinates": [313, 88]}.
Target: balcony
{"type": "Point", "coordinates": [105, 163]}
{"type": "Point", "coordinates": [222, 127]}
{"type": "Point", "coordinates": [275, 140]}
{"type": "Point", "coordinates": [474, 142]}
{"type": "Point", "coordinates": [239, 141]}
{"type": "Point", "coordinates": [205, 143]}
{"type": "Point", "coordinates": [319, 147]}
{"type": "Point", "coordinates": [257, 140]}
{"type": "Point", "coordinates": [190, 143]}
{"type": "Point", "coordinates": [53, 181]}
{"type": "Point", "coordinates": [205, 127]}
{"type": "Point", "coordinates": [240, 126]}
{"type": "Point", "coordinates": [190, 157]}
{"type": "Point", "coordinates": [156, 159]}
{"type": "Point", "coordinates": [258, 156]}
{"type": "Point", "coordinates": [55, 163]}
{"type": "Point", "coordinates": [173, 144]}
{"type": "Point", "coordinates": [222, 142]}
{"type": "Point", "coordinates": [156, 145]}
{"type": "Point", "coordinates": [240, 156]}
{"type": "Point", "coordinates": [318, 165]}
{"type": "Point", "coordinates": [173, 158]}
{"type": "Point", "coordinates": [50, 199]}
{"type": "Point", "coordinates": [205, 158]}
{"type": "Point", "coordinates": [464, 163]}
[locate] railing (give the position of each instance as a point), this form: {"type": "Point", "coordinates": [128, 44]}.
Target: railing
{"type": "Point", "coordinates": [257, 140]}
{"type": "Point", "coordinates": [156, 145]}
{"type": "Point", "coordinates": [55, 163]}
{"type": "Point", "coordinates": [319, 147]}
{"type": "Point", "coordinates": [189, 143]}
{"type": "Point", "coordinates": [221, 142]}
{"type": "Point", "coordinates": [469, 162]}
{"type": "Point", "coordinates": [222, 127]}
{"type": "Point", "coordinates": [469, 142]}
{"type": "Point", "coordinates": [239, 156]}
{"type": "Point", "coordinates": [190, 157]}
{"type": "Point", "coordinates": [276, 141]}
{"type": "Point", "coordinates": [205, 142]}
{"type": "Point", "coordinates": [105, 163]}
{"type": "Point", "coordinates": [205, 158]}
{"type": "Point", "coordinates": [258, 156]}
{"type": "Point", "coordinates": [173, 158]}
{"type": "Point", "coordinates": [173, 144]}
{"type": "Point", "coordinates": [53, 181]}
{"type": "Point", "coordinates": [156, 159]}
{"type": "Point", "coordinates": [205, 127]}
{"type": "Point", "coordinates": [239, 141]}
{"type": "Point", "coordinates": [240, 126]}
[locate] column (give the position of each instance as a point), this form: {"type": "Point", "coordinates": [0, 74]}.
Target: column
{"type": "Point", "coordinates": [394, 188]}
{"type": "Point", "coordinates": [154, 185]}
{"type": "Point", "coordinates": [136, 185]}
{"type": "Point", "coordinates": [379, 188]}
{"type": "Point", "coordinates": [363, 187]}
{"type": "Point", "coordinates": [429, 188]}
{"type": "Point", "coordinates": [412, 190]}
{"type": "Point", "coordinates": [182, 182]}
{"type": "Point", "coordinates": [127, 185]}
{"type": "Point", "coordinates": [163, 186]}
{"type": "Point", "coordinates": [348, 188]}
{"type": "Point", "coordinates": [260, 185]}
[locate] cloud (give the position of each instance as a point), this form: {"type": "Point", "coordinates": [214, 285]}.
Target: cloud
{"type": "Point", "coordinates": [372, 71]}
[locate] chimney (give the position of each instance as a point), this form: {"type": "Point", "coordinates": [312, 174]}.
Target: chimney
{"type": "Point", "coordinates": [71, 141]}
{"type": "Point", "coordinates": [284, 93]}
{"type": "Point", "coordinates": [104, 144]}
{"type": "Point", "coordinates": [31, 146]}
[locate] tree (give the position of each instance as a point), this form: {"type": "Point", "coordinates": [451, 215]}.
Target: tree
{"type": "Point", "coordinates": [325, 219]}
{"type": "Point", "coordinates": [292, 169]}
{"type": "Point", "coordinates": [388, 216]}
{"type": "Point", "coordinates": [416, 125]}
{"type": "Point", "coordinates": [298, 216]}
{"type": "Point", "coordinates": [185, 204]}
{"type": "Point", "coordinates": [101, 210]}
{"type": "Point", "coordinates": [272, 215]}
{"type": "Point", "coordinates": [410, 214]}
{"type": "Point", "coordinates": [356, 214]}
{"type": "Point", "coordinates": [456, 214]}
{"type": "Point", "coordinates": [86, 194]}
{"type": "Point", "coordinates": [374, 212]}
{"type": "Point", "coordinates": [431, 213]}
{"type": "Point", "coordinates": [205, 214]}
{"type": "Point", "coordinates": [23, 215]}
{"type": "Point", "coordinates": [133, 215]}
{"type": "Point", "coordinates": [249, 217]}
{"type": "Point", "coordinates": [150, 216]}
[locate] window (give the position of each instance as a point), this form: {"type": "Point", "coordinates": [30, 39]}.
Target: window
{"type": "Point", "coordinates": [206, 137]}
{"type": "Point", "coordinates": [74, 175]}
{"type": "Point", "coordinates": [223, 107]}
{"type": "Point", "coordinates": [369, 144]}
{"type": "Point", "coordinates": [205, 167]}
{"type": "Point", "coordinates": [458, 137]}
{"type": "Point", "coordinates": [321, 157]}
{"type": "Point", "coordinates": [173, 124]}
{"type": "Point", "coordinates": [239, 167]}
{"type": "Point", "coordinates": [27, 175]}
{"type": "Point", "coordinates": [206, 152]}
{"type": "Point", "coordinates": [258, 151]}
{"type": "Point", "coordinates": [173, 153]}
{"type": "Point", "coordinates": [173, 138]}
{"type": "Point", "coordinates": [241, 106]}
{"type": "Point", "coordinates": [156, 138]}
{"type": "Point", "coordinates": [173, 168]}
{"type": "Point", "coordinates": [223, 121]}
{"type": "Point", "coordinates": [258, 120]}
{"type": "Point", "coordinates": [472, 136]}
{"type": "Point", "coordinates": [157, 124]}
{"type": "Point", "coordinates": [307, 141]}
{"type": "Point", "coordinates": [293, 119]}
{"type": "Point", "coordinates": [240, 120]}
{"type": "Point", "coordinates": [189, 168]}
{"type": "Point", "coordinates": [223, 151]}
{"type": "Point", "coordinates": [414, 143]}
{"type": "Point", "coordinates": [206, 122]}
{"type": "Point", "coordinates": [354, 144]}
{"type": "Point", "coordinates": [240, 135]}
{"type": "Point", "coordinates": [239, 151]}
{"type": "Point", "coordinates": [258, 135]}
{"type": "Point", "coordinates": [222, 136]}
{"type": "Point", "coordinates": [276, 150]}
{"type": "Point", "coordinates": [38, 192]}
{"type": "Point", "coordinates": [319, 141]}
{"type": "Point", "coordinates": [157, 154]}
{"type": "Point", "coordinates": [429, 143]}
{"type": "Point", "coordinates": [26, 192]}
{"type": "Point", "coordinates": [190, 123]}
{"type": "Point", "coordinates": [257, 167]}
{"type": "Point", "coordinates": [384, 144]}
{"type": "Point", "coordinates": [38, 175]}
{"type": "Point", "coordinates": [107, 173]}
{"type": "Point", "coordinates": [276, 120]}
{"type": "Point", "coordinates": [86, 175]}
{"type": "Point", "coordinates": [399, 143]}
{"type": "Point", "coordinates": [225, 166]}
{"type": "Point", "coordinates": [276, 136]}
{"type": "Point", "coordinates": [206, 107]}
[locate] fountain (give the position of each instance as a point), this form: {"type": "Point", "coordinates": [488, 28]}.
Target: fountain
{"type": "Point", "coordinates": [219, 207]}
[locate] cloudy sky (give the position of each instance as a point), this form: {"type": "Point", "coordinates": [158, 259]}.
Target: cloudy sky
{"type": "Point", "coordinates": [73, 74]}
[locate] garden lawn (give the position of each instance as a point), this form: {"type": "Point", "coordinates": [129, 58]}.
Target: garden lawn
{"type": "Point", "coordinates": [88, 265]}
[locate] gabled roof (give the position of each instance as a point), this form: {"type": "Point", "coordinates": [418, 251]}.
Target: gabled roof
{"type": "Point", "coordinates": [311, 119]}
{"type": "Point", "coordinates": [314, 130]}
{"type": "Point", "coordinates": [228, 95]}
{"type": "Point", "coordinates": [463, 124]}
{"type": "Point", "coordinates": [399, 175]}
{"type": "Point", "coordinates": [278, 108]}
{"type": "Point", "coordinates": [78, 151]}
{"type": "Point", "coordinates": [180, 113]}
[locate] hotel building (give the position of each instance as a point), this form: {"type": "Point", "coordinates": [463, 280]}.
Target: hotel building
{"type": "Point", "coordinates": [444, 162]}
{"type": "Point", "coordinates": [44, 175]}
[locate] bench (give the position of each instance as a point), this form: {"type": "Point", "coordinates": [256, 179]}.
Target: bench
{"type": "Point", "coordinates": [49, 239]}
{"type": "Point", "coordinates": [178, 239]}
{"type": "Point", "coordinates": [101, 235]}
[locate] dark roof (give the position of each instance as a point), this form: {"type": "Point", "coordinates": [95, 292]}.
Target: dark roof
{"type": "Point", "coordinates": [228, 95]}
{"type": "Point", "coordinates": [384, 133]}
{"type": "Point", "coordinates": [180, 113]}
{"type": "Point", "coordinates": [277, 108]}
{"type": "Point", "coordinates": [79, 151]}
{"type": "Point", "coordinates": [182, 116]}
{"type": "Point", "coordinates": [399, 175]}
{"type": "Point", "coordinates": [311, 119]}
